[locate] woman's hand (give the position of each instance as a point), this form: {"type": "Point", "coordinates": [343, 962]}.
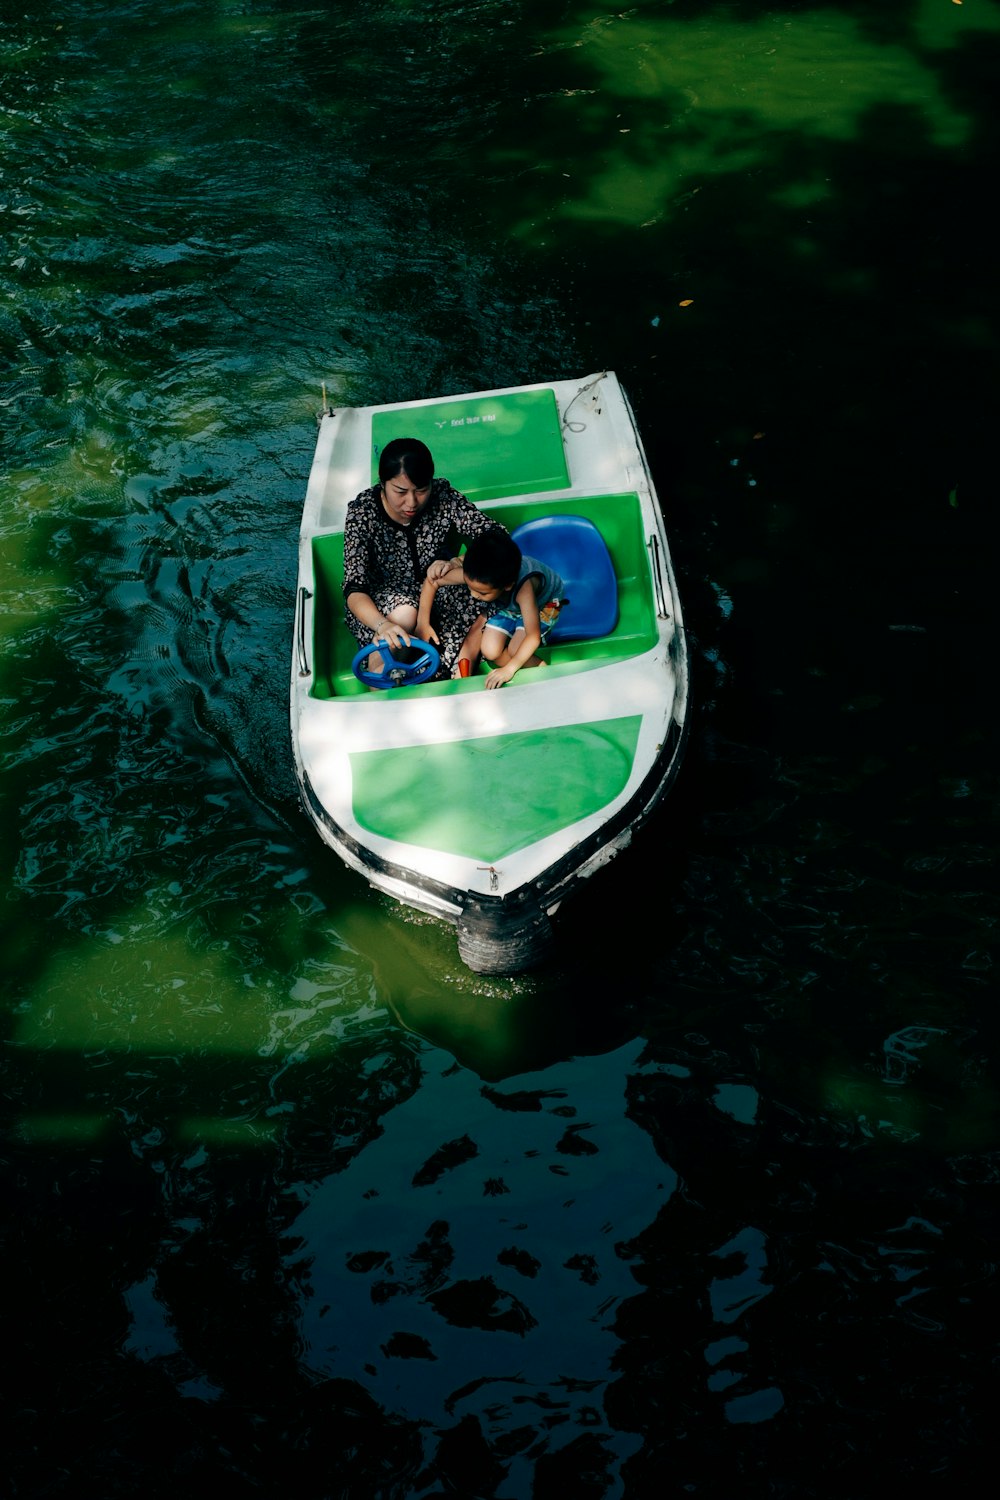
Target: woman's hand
{"type": "Point", "coordinates": [389, 631]}
{"type": "Point", "coordinates": [437, 570]}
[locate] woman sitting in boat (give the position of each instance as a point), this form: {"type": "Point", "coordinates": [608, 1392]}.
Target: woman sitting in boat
{"type": "Point", "coordinates": [403, 530]}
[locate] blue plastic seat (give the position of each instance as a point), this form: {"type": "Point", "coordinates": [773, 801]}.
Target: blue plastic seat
{"type": "Point", "coordinates": [575, 548]}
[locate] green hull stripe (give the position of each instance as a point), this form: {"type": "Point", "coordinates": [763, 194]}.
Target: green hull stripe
{"type": "Point", "coordinates": [485, 799]}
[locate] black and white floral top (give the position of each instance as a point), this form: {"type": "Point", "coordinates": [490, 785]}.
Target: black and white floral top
{"type": "Point", "coordinates": [389, 561]}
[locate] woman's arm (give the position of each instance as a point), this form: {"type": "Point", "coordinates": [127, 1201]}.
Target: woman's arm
{"type": "Point", "coordinates": [471, 648]}
{"type": "Point", "coordinates": [364, 608]}
{"type": "Point", "coordinates": [358, 541]}
{"type": "Point", "coordinates": [467, 519]}
{"type": "Point", "coordinates": [358, 577]}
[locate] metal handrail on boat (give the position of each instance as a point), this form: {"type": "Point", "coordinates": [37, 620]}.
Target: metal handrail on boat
{"type": "Point", "coordinates": [661, 599]}
{"type": "Point", "coordinates": [300, 634]}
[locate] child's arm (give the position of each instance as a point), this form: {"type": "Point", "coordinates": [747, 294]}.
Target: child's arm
{"type": "Point", "coordinates": [471, 647]}
{"type": "Point", "coordinates": [423, 627]}
{"type": "Point", "coordinates": [438, 573]}
{"type": "Point", "coordinates": [528, 605]}
{"type": "Point", "coordinates": [446, 570]}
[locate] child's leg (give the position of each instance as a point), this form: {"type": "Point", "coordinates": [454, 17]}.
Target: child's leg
{"type": "Point", "coordinates": [508, 647]}
{"type": "Point", "coordinates": [494, 646]}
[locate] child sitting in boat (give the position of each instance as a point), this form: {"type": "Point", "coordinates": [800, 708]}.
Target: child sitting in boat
{"type": "Point", "coordinates": [522, 598]}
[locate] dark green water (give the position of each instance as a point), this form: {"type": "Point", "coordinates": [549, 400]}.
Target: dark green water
{"type": "Point", "coordinates": [295, 1205]}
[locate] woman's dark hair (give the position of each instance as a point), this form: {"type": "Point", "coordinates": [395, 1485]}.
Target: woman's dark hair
{"type": "Point", "coordinates": [493, 558]}
{"type": "Point", "coordinates": [406, 456]}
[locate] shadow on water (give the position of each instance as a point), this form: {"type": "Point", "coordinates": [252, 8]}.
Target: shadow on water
{"type": "Point", "coordinates": [498, 1027]}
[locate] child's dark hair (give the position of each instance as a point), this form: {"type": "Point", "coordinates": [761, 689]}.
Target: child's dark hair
{"type": "Point", "coordinates": [493, 558]}
{"type": "Point", "coordinates": [406, 456]}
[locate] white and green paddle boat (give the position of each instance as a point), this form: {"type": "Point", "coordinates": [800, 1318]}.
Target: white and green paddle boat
{"type": "Point", "coordinates": [488, 809]}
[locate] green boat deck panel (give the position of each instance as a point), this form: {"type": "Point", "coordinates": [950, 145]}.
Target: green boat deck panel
{"type": "Point", "coordinates": [484, 799]}
{"type": "Point", "coordinates": [489, 447]}
{"type": "Point", "coordinates": [400, 778]}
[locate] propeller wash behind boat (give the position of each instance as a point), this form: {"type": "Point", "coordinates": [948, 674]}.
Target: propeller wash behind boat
{"type": "Point", "coordinates": [488, 809]}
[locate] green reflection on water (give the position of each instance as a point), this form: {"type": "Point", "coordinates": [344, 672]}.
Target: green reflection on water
{"type": "Point", "coordinates": [646, 107]}
{"type": "Point", "coordinates": [245, 1134]}
{"type": "Point", "coordinates": [151, 992]}
{"type": "Point", "coordinates": [42, 1128]}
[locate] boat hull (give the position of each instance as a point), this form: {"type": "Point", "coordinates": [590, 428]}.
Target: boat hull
{"type": "Point", "coordinates": [488, 809]}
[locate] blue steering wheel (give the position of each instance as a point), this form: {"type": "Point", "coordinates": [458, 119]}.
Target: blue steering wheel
{"type": "Point", "coordinates": [409, 665]}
